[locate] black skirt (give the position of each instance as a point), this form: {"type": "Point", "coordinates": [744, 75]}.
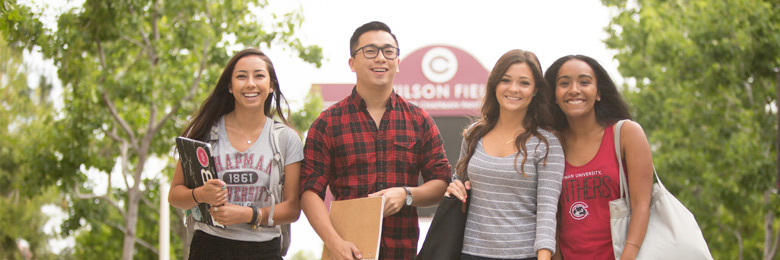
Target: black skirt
{"type": "Point", "coordinates": [205, 246]}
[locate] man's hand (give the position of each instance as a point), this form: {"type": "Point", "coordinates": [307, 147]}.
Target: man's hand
{"type": "Point", "coordinates": [394, 199]}
{"type": "Point", "coordinates": [343, 249]}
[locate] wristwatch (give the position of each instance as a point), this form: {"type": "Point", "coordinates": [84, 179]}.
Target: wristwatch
{"type": "Point", "coordinates": [408, 201]}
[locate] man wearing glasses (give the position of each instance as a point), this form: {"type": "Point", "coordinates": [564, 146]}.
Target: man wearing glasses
{"type": "Point", "coordinates": [374, 143]}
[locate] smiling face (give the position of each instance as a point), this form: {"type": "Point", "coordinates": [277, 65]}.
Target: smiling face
{"type": "Point", "coordinates": [250, 83]}
{"type": "Point", "coordinates": [516, 89]}
{"type": "Point", "coordinates": [576, 90]}
{"type": "Point", "coordinates": [379, 71]}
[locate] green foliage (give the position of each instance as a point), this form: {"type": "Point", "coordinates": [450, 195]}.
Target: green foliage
{"type": "Point", "coordinates": [132, 72]}
{"type": "Point", "coordinates": [100, 239]}
{"type": "Point", "coordinates": [23, 110]}
{"type": "Point", "coordinates": [312, 107]}
{"type": "Point", "coordinates": [706, 94]}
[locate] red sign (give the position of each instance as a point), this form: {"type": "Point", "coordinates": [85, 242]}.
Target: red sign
{"type": "Point", "coordinates": [443, 80]}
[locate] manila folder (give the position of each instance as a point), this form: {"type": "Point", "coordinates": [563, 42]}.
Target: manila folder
{"type": "Point", "coordinates": [358, 221]}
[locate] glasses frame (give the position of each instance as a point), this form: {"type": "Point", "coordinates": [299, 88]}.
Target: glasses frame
{"type": "Point", "coordinates": [379, 49]}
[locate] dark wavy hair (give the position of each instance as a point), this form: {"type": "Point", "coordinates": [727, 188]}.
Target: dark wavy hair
{"type": "Point", "coordinates": [221, 102]}
{"type": "Point", "coordinates": [538, 115]}
{"type": "Point", "coordinates": [611, 108]}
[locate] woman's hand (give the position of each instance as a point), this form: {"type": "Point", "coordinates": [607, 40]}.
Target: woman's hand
{"type": "Point", "coordinates": [458, 189]}
{"type": "Point", "coordinates": [231, 214]}
{"type": "Point", "coordinates": [213, 192]}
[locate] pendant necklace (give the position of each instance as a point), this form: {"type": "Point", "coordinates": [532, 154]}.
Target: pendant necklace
{"type": "Point", "coordinates": [241, 130]}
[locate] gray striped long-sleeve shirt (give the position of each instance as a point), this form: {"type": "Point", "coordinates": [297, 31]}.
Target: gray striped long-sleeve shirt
{"type": "Point", "coordinates": [511, 215]}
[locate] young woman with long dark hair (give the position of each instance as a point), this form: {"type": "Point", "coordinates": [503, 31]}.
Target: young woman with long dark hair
{"type": "Point", "coordinates": [514, 165]}
{"type": "Point", "coordinates": [239, 111]}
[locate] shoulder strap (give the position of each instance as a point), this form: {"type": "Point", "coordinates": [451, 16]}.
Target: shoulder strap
{"type": "Point", "coordinates": [623, 181]}
{"type": "Point", "coordinates": [279, 147]}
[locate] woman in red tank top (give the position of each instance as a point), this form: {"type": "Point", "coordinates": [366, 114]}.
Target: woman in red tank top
{"type": "Point", "coordinates": [586, 106]}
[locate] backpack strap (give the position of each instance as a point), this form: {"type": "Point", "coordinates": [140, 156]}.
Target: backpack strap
{"type": "Point", "coordinates": [279, 147]}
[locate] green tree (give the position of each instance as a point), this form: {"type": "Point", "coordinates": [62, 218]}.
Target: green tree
{"type": "Point", "coordinates": [133, 71]}
{"type": "Point", "coordinates": [706, 94]}
{"type": "Point", "coordinates": [23, 112]}
{"type": "Point", "coordinates": [312, 107]}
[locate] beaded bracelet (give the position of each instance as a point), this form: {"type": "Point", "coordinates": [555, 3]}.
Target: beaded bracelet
{"type": "Point", "coordinates": [193, 196]}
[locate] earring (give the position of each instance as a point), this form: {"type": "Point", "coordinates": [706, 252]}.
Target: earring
{"type": "Point", "coordinates": [230, 90]}
{"type": "Point", "coordinates": [598, 99]}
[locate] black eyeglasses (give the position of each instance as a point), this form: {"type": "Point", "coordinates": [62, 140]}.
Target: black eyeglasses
{"type": "Point", "coordinates": [371, 51]}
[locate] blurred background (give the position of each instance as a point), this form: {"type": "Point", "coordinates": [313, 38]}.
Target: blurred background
{"type": "Point", "coordinates": [94, 92]}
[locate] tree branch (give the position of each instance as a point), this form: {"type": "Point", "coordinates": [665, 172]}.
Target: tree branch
{"type": "Point", "coordinates": [102, 56]}
{"type": "Point", "coordinates": [133, 41]}
{"type": "Point", "coordinates": [191, 94]}
{"type": "Point", "coordinates": [155, 12]}
{"type": "Point", "coordinates": [121, 228]}
{"type": "Point", "coordinates": [148, 46]}
{"type": "Point", "coordinates": [147, 245]}
{"type": "Point", "coordinates": [770, 241]}
{"type": "Point", "coordinates": [103, 197]}
{"type": "Point", "coordinates": [137, 240]}
{"type": "Point", "coordinates": [150, 204]}
{"type": "Point", "coordinates": [122, 122]}
{"type": "Point", "coordinates": [111, 134]}
{"type": "Point", "coordinates": [125, 165]}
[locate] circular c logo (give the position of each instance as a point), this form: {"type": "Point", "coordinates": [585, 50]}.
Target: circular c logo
{"type": "Point", "coordinates": [203, 158]}
{"type": "Point", "coordinates": [439, 65]}
{"type": "Point", "coordinates": [578, 210]}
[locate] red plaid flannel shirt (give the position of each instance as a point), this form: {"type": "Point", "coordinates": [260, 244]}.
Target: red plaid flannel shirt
{"type": "Point", "coordinates": [345, 149]}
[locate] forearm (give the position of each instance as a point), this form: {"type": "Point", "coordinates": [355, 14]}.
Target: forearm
{"type": "Point", "coordinates": [637, 228]}
{"type": "Point", "coordinates": [543, 254]}
{"type": "Point", "coordinates": [284, 213]}
{"type": "Point", "coordinates": [317, 214]}
{"type": "Point", "coordinates": [289, 210]}
{"type": "Point", "coordinates": [180, 197]}
{"type": "Point", "coordinates": [428, 194]}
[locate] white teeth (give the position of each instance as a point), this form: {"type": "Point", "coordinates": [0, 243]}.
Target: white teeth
{"type": "Point", "coordinates": [251, 94]}
{"type": "Point", "coordinates": [512, 98]}
{"type": "Point", "coordinates": [379, 70]}
{"type": "Point", "coordinates": [576, 101]}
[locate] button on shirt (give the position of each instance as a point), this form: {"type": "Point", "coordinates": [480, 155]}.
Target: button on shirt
{"type": "Point", "coordinates": [344, 148]}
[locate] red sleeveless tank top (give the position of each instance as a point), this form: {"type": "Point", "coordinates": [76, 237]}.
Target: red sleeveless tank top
{"type": "Point", "coordinates": [585, 196]}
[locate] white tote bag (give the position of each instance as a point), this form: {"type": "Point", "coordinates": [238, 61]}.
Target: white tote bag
{"type": "Point", "coordinates": [672, 232]}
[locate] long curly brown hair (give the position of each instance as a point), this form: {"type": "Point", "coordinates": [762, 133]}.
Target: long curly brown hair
{"type": "Point", "coordinates": [537, 117]}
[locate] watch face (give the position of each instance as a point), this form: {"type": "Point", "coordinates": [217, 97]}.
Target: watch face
{"type": "Point", "coordinates": [408, 200]}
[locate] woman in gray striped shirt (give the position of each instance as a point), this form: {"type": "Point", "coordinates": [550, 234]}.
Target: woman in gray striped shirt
{"type": "Point", "coordinates": [514, 166]}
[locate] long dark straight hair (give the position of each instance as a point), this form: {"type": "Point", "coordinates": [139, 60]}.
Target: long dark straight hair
{"type": "Point", "coordinates": [221, 102]}
{"type": "Point", "coordinates": [538, 115]}
{"type": "Point", "coordinates": [610, 109]}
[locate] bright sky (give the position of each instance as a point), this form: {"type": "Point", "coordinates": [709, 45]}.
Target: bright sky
{"type": "Point", "coordinates": [485, 29]}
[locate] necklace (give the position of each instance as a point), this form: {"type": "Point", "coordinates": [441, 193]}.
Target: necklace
{"type": "Point", "coordinates": [240, 130]}
{"type": "Point", "coordinates": [514, 136]}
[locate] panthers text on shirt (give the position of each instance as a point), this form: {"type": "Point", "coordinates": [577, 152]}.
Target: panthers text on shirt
{"type": "Point", "coordinates": [585, 185]}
